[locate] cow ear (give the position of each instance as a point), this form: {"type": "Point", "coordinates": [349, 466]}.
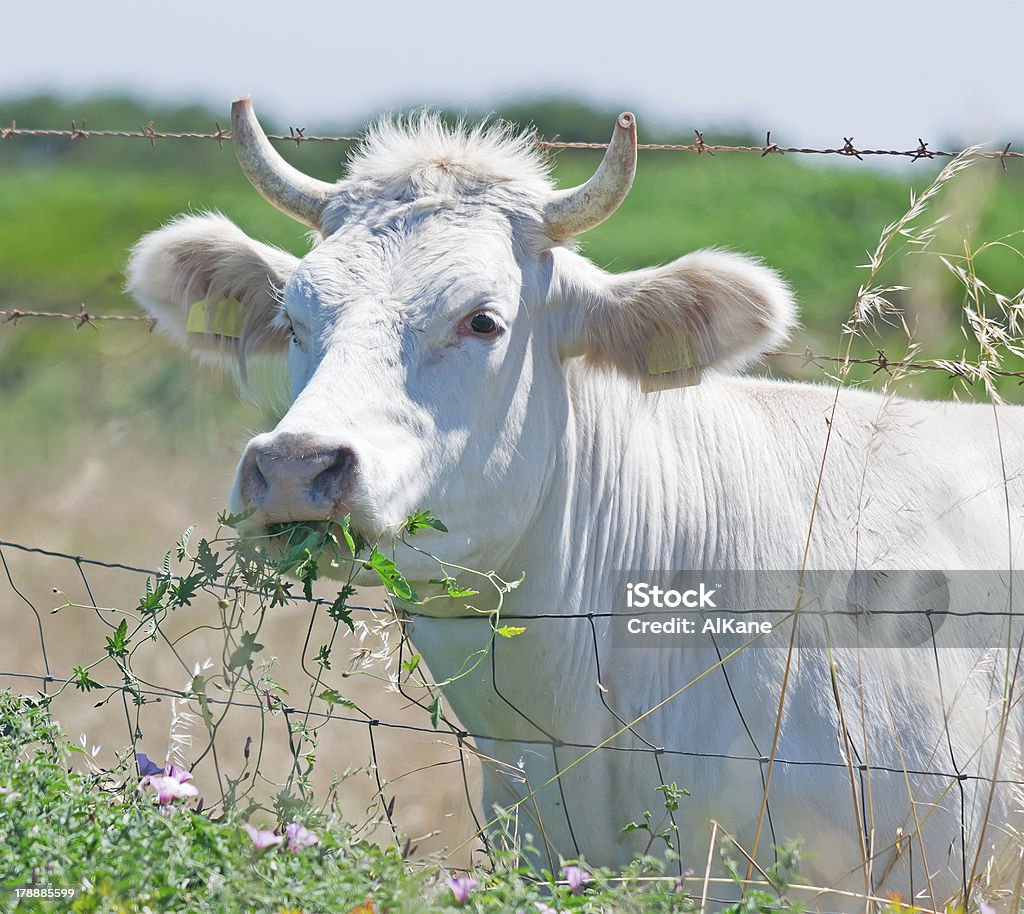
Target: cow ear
{"type": "Point", "coordinates": [665, 325]}
{"type": "Point", "coordinates": [211, 287]}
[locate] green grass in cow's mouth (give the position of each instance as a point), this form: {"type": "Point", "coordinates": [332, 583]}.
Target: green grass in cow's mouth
{"type": "Point", "coordinates": [302, 548]}
{"type": "Point", "coordinates": [306, 550]}
{"type": "Point", "coordinates": [301, 529]}
{"type": "Point", "coordinates": [296, 540]}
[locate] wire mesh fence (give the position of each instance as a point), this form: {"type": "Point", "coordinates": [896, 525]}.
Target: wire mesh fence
{"type": "Point", "coordinates": [176, 667]}
{"type": "Point", "coordinates": [251, 739]}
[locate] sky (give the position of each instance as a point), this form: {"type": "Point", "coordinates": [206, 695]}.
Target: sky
{"type": "Point", "coordinates": [882, 71]}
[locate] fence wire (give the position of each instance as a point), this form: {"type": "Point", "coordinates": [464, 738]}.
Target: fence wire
{"type": "Point", "coordinates": [959, 369]}
{"type": "Point", "coordinates": [437, 726]}
{"type": "Point", "coordinates": [700, 146]}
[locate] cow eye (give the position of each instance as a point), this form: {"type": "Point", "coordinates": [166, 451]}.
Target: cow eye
{"type": "Point", "coordinates": [483, 324]}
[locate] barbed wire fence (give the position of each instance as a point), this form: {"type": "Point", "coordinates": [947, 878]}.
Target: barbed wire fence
{"type": "Point", "coordinates": [298, 136]}
{"type": "Point", "coordinates": [396, 663]}
{"type": "Point", "coordinates": [956, 368]}
{"type": "Point", "coordinates": [960, 369]}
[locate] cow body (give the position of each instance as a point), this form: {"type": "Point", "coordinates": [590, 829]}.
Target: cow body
{"type": "Point", "coordinates": [449, 349]}
{"type": "Point", "coordinates": [680, 480]}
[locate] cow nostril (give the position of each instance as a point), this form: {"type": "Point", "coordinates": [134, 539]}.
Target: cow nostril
{"type": "Point", "coordinates": [292, 478]}
{"type": "Point", "coordinates": [253, 484]}
{"type": "Point", "coordinates": [328, 486]}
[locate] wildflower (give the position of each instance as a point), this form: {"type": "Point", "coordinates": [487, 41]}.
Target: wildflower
{"type": "Point", "coordinates": [172, 785]}
{"type": "Point", "coordinates": [299, 837]}
{"type": "Point", "coordinates": [262, 838]}
{"type": "Point", "coordinates": [680, 887]}
{"type": "Point", "coordinates": [575, 877]}
{"type": "Point", "coordinates": [986, 908]}
{"type": "Point", "coordinates": [461, 886]}
{"type": "Point", "coordinates": [146, 765]}
{"type": "Point", "coordinates": [9, 794]}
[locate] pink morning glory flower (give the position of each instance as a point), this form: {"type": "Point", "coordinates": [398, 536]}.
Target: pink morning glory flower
{"type": "Point", "coordinates": [172, 785]}
{"type": "Point", "coordinates": [575, 877]}
{"type": "Point", "coordinates": [461, 887]}
{"type": "Point", "coordinates": [262, 838]}
{"type": "Point", "coordinates": [299, 837]}
{"type": "Point", "coordinates": [179, 774]}
{"type": "Point", "coordinates": [170, 789]}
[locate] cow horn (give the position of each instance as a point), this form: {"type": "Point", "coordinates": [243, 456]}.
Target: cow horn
{"type": "Point", "coordinates": [577, 209]}
{"type": "Point", "coordinates": [292, 192]}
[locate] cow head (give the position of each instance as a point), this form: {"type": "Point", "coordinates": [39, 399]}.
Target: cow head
{"type": "Point", "coordinates": [431, 331]}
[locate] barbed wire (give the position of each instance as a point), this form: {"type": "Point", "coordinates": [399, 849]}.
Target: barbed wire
{"type": "Point", "coordinates": [298, 136]}
{"type": "Point", "coordinates": [881, 362]}
{"type": "Point", "coordinates": [79, 318]}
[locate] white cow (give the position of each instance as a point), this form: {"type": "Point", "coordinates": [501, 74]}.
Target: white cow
{"type": "Point", "coordinates": [449, 348]}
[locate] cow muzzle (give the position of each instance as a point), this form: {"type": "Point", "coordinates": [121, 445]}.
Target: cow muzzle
{"type": "Point", "coordinates": [291, 477]}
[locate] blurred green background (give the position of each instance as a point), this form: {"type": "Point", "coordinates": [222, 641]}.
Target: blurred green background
{"type": "Point", "coordinates": [70, 211]}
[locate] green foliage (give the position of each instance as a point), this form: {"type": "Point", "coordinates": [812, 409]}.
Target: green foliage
{"type": "Point", "coordinates": [665, 829]}
{"type": "Point", "coordinates": [421, 520]}
{"type": "Point", "coordinates": [774, 896]}
{"type": "Point", "coordinates": [247, 578]}
{"type": "Point", "coordinates": [453, 589]}
{"type": "Point", "coordinates": [83, 681]}
{"type": "Point", "coordinates": [391, 577]}
{"type": "Point", "coordinates": [339, 610]}
{"type": "Point", "coordinates": [509, 631]}
{"type": "Point", "coordinates": [332, 699]}
{"type": "Point", "coordinates": [117, 644]}
{"type": "Point", "coordinates": [101, 835]}
{"type": "Point", "coordinates": [151, 602]}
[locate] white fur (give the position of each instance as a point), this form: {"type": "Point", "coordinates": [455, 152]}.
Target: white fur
{"type": "Point", "coordinates": [541, 456]}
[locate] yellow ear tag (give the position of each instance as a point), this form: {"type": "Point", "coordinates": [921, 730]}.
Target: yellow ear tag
{"type": "Point", "coordinates": [670, 363]}
{"type": "Point", "coordinates": [219, 318]}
